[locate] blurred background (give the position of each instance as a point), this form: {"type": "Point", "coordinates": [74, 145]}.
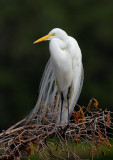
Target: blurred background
{"type": "Point", "coordinates": [22, 63]}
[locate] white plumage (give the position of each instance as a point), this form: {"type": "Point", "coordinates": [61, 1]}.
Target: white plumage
{"type": "Point", "coordinates": [63, 77]}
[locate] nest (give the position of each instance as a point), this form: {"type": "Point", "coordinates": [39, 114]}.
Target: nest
{"type": "Point", "coordinates": [89, 124]}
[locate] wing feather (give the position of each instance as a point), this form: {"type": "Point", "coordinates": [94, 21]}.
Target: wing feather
{"type": "Point", "coordinates": [77, 85]}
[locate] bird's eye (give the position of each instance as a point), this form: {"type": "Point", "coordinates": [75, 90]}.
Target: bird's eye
{"type": "Point", "coordinates": [53, 34]}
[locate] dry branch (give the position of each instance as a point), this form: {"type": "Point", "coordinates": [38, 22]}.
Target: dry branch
{"type": "Point", "coordinates": [89, 124]}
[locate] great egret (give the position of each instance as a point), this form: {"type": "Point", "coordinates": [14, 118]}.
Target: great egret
{"type": "Point", "coordinates": [63, 75]}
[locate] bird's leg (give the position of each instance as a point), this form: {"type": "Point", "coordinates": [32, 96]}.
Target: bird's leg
{"type": "Point", "coordinates": [62, 99]}
{"type": "Point", "coordinates": [68, 96]}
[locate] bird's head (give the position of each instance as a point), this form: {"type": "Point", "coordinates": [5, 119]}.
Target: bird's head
{"type": "Point", "coordinates": [54, 33]}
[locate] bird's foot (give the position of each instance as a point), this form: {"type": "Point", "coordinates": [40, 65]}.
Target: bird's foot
{"type": "Point", "coordinates": [66, 127]}
{"type": "Point", "coordinates": [63, 130]}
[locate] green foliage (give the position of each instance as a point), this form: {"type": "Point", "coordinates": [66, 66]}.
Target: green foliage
{"type": "Point", "coordinates": [82, 151]}
{"type": "Point", "coordinates": [22, 64]}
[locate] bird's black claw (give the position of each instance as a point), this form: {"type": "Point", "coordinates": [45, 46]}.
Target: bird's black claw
{"type": "Point", "coordinates": [64, 130]}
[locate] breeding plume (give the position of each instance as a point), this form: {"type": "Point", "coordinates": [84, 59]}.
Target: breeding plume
{"type": "Point", "coordinates": [62, 79]}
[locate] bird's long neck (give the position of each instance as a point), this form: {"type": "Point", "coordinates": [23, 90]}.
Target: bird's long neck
{"type": "Point", "coordinates": [57, 48]}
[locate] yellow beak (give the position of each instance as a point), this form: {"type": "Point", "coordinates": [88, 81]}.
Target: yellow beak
{"type": "Point", "coordinates": [44, 38]}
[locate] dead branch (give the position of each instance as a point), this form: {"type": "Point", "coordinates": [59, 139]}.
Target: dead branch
{"type": "Point", "coordinates": [89, 124]}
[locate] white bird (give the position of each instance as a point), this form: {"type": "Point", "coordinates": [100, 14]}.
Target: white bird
{"type": "Point", "coordinates": [63, 75]}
